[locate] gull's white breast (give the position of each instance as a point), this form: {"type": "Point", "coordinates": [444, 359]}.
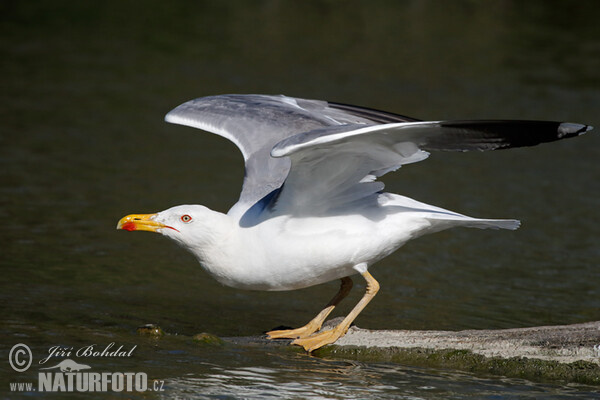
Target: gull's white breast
{"type": "Point", "coordinates": [286, 253]}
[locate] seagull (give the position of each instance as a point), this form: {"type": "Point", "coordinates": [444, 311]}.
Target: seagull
{"type": "Point", "coordinates": [311, 208]}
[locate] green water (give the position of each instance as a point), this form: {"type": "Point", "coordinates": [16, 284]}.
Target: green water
{"type": "Point", "coordinates": [83, 91]}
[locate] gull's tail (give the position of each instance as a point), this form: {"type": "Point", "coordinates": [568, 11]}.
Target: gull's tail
{"type": "Point", "coordinates": [469, 222]}
{"type": "Point", "coordinates": [441, 218]}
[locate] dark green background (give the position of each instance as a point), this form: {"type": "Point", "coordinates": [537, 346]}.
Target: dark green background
{"type": "Point", "coordinates": [84, 87]}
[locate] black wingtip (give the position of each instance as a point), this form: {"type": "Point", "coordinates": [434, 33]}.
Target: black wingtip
{"type": "Point", "coordinates": [500, 134]}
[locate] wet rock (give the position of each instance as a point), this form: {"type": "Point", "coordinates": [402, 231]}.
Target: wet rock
{"type": "Point", "coordinates": [150, 330]}
{"type": "Point", "coordinates": [564, 343]}
{"type": "Point", "coordinates": [568, 353]}
{"type": "Point", "coordinates": [208, 339]}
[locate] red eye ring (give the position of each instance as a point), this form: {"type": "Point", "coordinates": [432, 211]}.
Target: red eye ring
{"type": "Point", "coordinates": [186, 218]}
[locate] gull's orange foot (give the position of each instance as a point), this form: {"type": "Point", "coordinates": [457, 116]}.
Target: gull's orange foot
{"type": "Point", "coordinates": [297, 333]}
{"type": "Point", "coordinates": [319, 340]}
{"type": "Point", "coordinates": [292, 333]}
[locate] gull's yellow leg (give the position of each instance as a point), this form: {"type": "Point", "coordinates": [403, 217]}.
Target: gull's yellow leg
{"type": "Point", "coordinates": [315, 324]}
{"type": "Point", "coordinates": [327, 337]}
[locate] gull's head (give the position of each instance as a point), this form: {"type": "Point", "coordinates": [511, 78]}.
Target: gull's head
{"type": "Point", "coordinates": [192, 226]}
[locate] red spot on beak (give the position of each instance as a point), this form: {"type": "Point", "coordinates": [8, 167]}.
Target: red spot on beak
{"type": "Point", "coordinates": [129, 226]}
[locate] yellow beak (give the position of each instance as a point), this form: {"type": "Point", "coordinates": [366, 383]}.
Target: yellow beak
{"type": "Point", "coordinates": [140, 222]}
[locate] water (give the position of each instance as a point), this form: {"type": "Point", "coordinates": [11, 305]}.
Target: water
{"type": "Point", "coordinates": [82, 143]}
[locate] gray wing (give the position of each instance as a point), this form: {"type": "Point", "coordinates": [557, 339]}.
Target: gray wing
{"type": "Point", "coordinates": [335, 166]}
{"type": "Point", "coordinates": [255, 123]}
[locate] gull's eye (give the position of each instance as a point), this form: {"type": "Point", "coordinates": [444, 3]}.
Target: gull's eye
{"type": "Point", "coordinates": [186, 218]}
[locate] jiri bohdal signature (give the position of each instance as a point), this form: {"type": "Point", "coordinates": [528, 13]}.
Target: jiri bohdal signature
{"type": "Point", "coordinates": [92, 351]}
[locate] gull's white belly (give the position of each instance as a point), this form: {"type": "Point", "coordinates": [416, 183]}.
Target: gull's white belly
{"type": "Point", "coordinates": [291, 253]}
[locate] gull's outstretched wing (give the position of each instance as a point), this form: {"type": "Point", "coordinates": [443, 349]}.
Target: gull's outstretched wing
{"type": "Point", "coordinates": [336, 165]}
{"type": "Point", "coordinates": [255, 123]}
